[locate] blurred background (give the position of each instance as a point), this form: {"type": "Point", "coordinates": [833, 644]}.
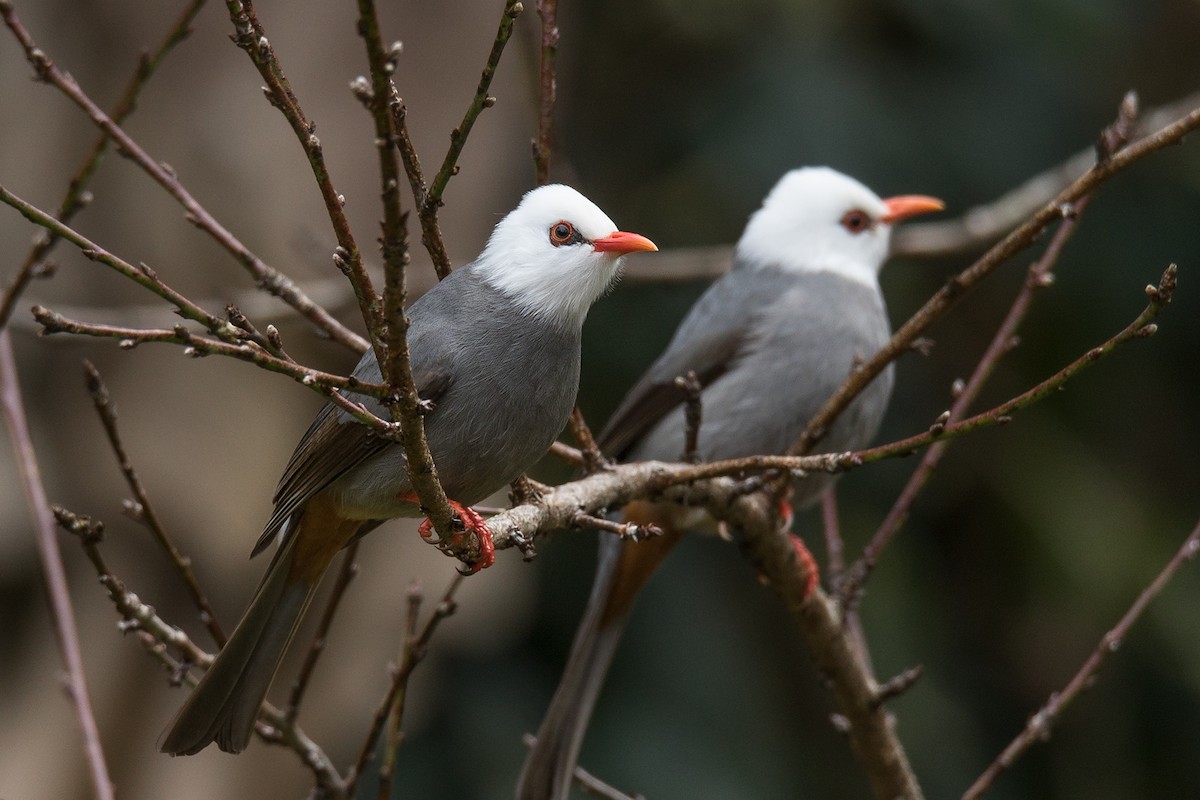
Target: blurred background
{"type": "Point", "coordinates": [676, 118]}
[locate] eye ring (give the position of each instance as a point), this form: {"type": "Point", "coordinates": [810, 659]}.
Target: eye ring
{"type": "Point", "coordinates": [856, 221]}
{"type": "Point", "coordinates": [563, 232]}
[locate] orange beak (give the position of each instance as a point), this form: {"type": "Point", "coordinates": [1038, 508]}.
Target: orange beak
{"type": "Point", "coordinates": [621, 242]}
{"type": "Point", "coordinates": [909, 205]}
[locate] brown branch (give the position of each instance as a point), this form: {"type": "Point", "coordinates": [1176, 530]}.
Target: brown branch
{"type": "Point", "coordinates": [986, 223]}
{"type": "Point", "coordinates": [391, 348]}
{"type": "Point", "coordinates": [156, 636]}
{"type": "Point", "coordinates": [141, 508]}
{"type": "Point", "coordinates": [1037, 728]}
{"type": "Point", "coordinates": [1002, 343]}
{"type": "Point", "coordinates": [265, 276]}
{"type": "Point", "coordinates": [956, 286]}
{"type": "Point", "coordinates": [250, 36]}
{"type": "Point", "coordinates": [13, 409]}
{"type": "Point", "coordinates": [481, 100]}
{"type": "Point", "coordinates": [391, 709]}
{"type": "Point", "coordinates": [77, 197]}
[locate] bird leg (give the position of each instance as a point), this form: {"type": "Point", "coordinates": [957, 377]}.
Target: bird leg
{"type": "Point", "coordinates": [471, 522]}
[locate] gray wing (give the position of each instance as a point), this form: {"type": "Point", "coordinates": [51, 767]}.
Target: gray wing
{"type": "Point", "coordinates": [709, 341]}
{"type": "Point", "coordinates": [336, 443]}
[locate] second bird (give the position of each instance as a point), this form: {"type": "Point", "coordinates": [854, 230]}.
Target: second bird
{"type": "Point", "coordinates": [769, 343]}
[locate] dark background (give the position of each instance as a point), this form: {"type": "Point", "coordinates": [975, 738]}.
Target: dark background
{"type": "Point", "coordinates": [676, 117]}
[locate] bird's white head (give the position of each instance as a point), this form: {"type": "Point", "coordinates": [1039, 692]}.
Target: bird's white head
{"type": "Point", "coordinates": [818, 220]}
{"type": "Point", "coordinates": [556, 253]}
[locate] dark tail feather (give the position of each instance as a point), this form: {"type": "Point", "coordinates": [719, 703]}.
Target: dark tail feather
{"type": "Point", "coordinates": [225, 703]}
{"type": "Point", "coordinates": [550, 764]}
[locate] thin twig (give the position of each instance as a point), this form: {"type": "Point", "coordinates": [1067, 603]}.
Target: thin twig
{"type": "Point", "coordinates": [957, 285]}
{"type": "Point", "coordinates": [141, 508]}
{"type": "Point", "coordinates": [1037, 728]}
{"type": "Point", "coordinates": [1114, 137]}
{"type": "Point", "coordinates": [593, 459]}
{"type": "Point", "coordinates": [986, 223]}
{"type": "Point", "coordinates": [624, 530]}
{"type": "Point", "coordinates": [265, 276]}
{"type": "Point", "coordinates": [156, 636]}
{"type": "Point", "coordinates": [416, 644]}
{"type": "Point", "coordinates": [77, 197]}
{"type": "Point", "coordinates": [62, 615]}
{"type": "Point", "coordinates": [693, 415]}
{"type": "Point", "coordinates": [250, 36]}
{"type": "Point", "coordinates": [345, 575]}
{"type": "Point", "coordinates": [481, 100]}
{"type": "Point", "coordinates": [1002, 342]}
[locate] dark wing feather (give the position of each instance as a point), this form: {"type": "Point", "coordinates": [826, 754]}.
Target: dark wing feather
{"type": "Point", "coordinates": [336, 443]}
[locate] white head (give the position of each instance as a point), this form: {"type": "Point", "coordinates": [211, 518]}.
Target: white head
{"type": "Point", "coordinates": [556, 253]}
{"type": "Point", "coordinates": [818, 220]}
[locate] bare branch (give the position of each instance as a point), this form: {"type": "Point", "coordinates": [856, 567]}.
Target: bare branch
{"type": "Point", "coordinates": [141, 508]}
{"type": "Point", "coordinates": [1038, 278]}
{"type": "Point", "coordinates": [77, 197]}
{"type": "Point", "coordinates": [956, 286]}
{"type": "Point", "coordinates": [547, 88]}
{"type": "Point", "coordinates": [588, 782]}
{"type": "Point", "coordinates": [416, 644]}
{"type": "Point", "coordinates": [251, 37]}
{"type": "Point", "coordinates": [156, 636]}
{"type": "Point", "coordinates": [63, 616]}
{"type": "Point", "coordinates": [481, 100]}
{"type": "Point", "coordinates": [265, 276]}
{"type": "Point", "coordinates": [1037, 728]}
{"type": "Point", "coordinates": [986, 223]}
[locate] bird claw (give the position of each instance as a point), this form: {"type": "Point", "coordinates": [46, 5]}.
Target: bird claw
{"type": "Point", "coordinates": [458, 544]}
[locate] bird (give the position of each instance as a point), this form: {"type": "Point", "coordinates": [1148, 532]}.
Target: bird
{"type": "Point", "coordinates": [769, 342]}
{"type": "Point", "coordinates": [495, 354]}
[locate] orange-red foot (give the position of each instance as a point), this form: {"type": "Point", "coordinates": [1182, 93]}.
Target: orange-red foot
{"type": "Point", "coordinates": [805, 560]}
{"type": "Point", "coordinates": [471, 522]}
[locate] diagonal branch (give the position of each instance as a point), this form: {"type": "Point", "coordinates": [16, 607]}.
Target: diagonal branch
{"type": "Point", "coordinates": [957, 285]}
{"type": "Point", "coordinates": [265, 276]}
{"type": "Point", "coordinates": [141, 508]}
{"type": "Point", "coordinates": [1037, 728]}
{"type": "Point", "coordinates": [77, 197]}
{"type": "Point", "coordinates": [250, 36]}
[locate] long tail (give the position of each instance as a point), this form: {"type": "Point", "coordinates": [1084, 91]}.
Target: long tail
{"type": "Point", "coordinates": [622, 570]}
{"type": "Point", "coordinates": [225, 703]}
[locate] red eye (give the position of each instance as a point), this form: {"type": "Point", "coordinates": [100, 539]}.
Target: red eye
{"type": "Point", "coordinates": [563, 233]}
{"type": "Point", "coordinates": [856, 221]}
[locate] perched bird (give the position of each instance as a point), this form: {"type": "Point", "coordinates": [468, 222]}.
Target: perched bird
{"type": "Point", "coordinates": [518, 310]}
{"type": "Point", "coordinates": [769, 342]}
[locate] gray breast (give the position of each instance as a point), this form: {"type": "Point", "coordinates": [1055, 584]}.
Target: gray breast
{"type": "Point", "coordinates": [512, 382]}
{"type": "Point", "coordinates": [803, 334]}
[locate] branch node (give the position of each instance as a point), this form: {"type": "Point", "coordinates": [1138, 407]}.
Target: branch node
{"type": "Point", "coordinates": [896, 686]}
